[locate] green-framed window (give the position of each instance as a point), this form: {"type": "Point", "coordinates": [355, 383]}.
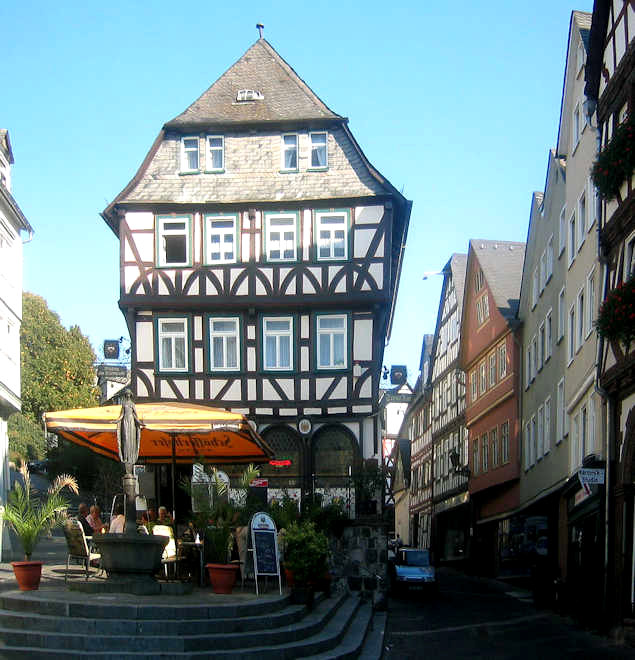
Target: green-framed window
{"type": "Point", "coordinates": [190, 161]}
{"type": "Point", "coordinates": [221, 238]}
{"type": "Point", "coordinates": [278, 344]}
{"type": "Point", "coordinates": [282, 233]}
{"type": "Point", "coordinates": [331, 234]}
{"type": "Point", "coordinates": [224, 343]}
{"type": "Point", "coordinates": [332, 344]}
{"type": "Point", "coordinates": [173, 240]}
{"type": "Point", "coordinates": [172, 334]}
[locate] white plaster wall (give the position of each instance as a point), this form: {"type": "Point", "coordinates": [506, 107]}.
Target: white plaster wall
{"type": "Point", "coordinates": [363, 339]}
{"type": "Point", "coordinates": [145, 342]}
{"type": "Point", "coordinates": [365, 215]}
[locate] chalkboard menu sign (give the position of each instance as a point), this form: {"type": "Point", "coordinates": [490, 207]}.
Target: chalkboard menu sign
{"type": "Point", "coordinates": [265, 547]}
{"type": "Point", "coordinates": [264, 542]}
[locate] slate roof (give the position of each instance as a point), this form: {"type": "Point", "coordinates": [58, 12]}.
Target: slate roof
{"type": "Point", "coordinates": [458, 265]}
{"type": "Point", "coordinates": [502, 264]}
{"type": "Point", "coordinates": [286, 96]}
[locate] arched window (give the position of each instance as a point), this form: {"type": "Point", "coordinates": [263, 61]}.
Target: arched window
{"type": "Point", "coordinates": [286, 446]}
{"type": "Point", "coordinates": [334, 450]}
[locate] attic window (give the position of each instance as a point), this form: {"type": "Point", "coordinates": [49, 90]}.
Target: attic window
{"type": "Point", "coordinates": [249, 95]}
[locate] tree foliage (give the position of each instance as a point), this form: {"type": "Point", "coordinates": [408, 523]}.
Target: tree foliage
{"type": "Point", "coordinates": [26, 438]}
{"type": "Point", "coordinates": [57, 364]}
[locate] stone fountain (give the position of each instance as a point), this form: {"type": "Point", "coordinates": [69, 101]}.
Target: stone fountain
{"type": "Point", "coordinates": [131, 560]}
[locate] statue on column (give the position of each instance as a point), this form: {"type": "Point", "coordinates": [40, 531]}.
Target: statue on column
{"type": "Point", "coordinates": [128, 438]}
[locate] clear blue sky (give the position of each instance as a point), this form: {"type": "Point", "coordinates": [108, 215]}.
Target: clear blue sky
{"type": "Point", "coordinates": [457, 104]}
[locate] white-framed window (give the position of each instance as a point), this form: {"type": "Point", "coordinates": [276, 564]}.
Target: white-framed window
{"type": "Point", "coordinates": [534, 352]}
{"type": "Point", "coordinates": [332, 341]}
{"type": "Point", "coordinates": [576, 127]}
{"type": "Point", "coordinates": [562, 315]}
{"type": "Point", "coordinates": [528, 366]}
{"type": "Point", "coordinates": [173, 240]}
{"type": "Point", "coordinates": [582, 220]}
{"type": "Point", "coordinates": [485, 452]}
{"type": "Point", "coordinates": [533, 442]}
{"type": "Point", "coordinates": [172, 343]}
{"type": "Point", "coordinates": [331, 232]}
{"type": "Point", "coordinates": [542, 345]}
{"type": "Point", "coordinates": [560, 412]}
{"type": "Point", "coordinates": [221, 238]}
{"type": "Point", "coordinates": [502, 360]}
{"type": "Point", "coordinates": [281, 231]}
{"type": "Point", "coordinates": [224, 343]}
{"type": "Point", "coordinates": [289, 153]}
{"type": "Point", "coordinates": [562, 231]}
{"type": "Point", "coordinates": [581, 320]}
{"type": "Point", "coordinates": [215, 153]}
{"type": "Point", "coordinates": [543, 270]}
{"type": "Point", "coordinates": [493, 437]}
{"type": "Point", "coordinates": [474, 382]}
{"type": "Point", "coordinates": [277, 342]}
{"type": "Point", "coordinates": [549, 271]}
{"type": "Point", "coordinates": [629, 257]}
{"type": "Point", "coordinates": [485, 307]}
{"type": "Point", "coordinates": [548, 335]}
{"type": "Point", "coordinates": [547, 446]}
{"type": "Point", "coordinates": [575, 446]}
{"type": "Point", "coordinates": [479, 311]}
{"type": "Point", "coordinates": [475, 455]}
{"type": "Point", "coordinates": [540, 439]}
{"type": "Point", "coordinates": [590, 301]}
{"type": "Point", "coordinates": [527, 451]}
{"type": "Point", "coordinates": [572, 240]}
{"type": "Point", "coordinates": [478, 280]}
{"type": "Point", "coordinates": [584, 431]}
{"type": "Point", "coordinates": [492, 369]}
{"type": "Point", "coordinates": [504, 442]}
{"type": "Point", "coordinates": [592, 205]}
{"type": "Point", "coordinates": [319, 150]}
{"type": "Point", "coordinates": [189, 153]}
{"type": "Point", "coordinates": [534, 288]}
{"type": "Point", "coordinates": [482, 377]}
{"type": "Point", "coordinates": [571, 335]}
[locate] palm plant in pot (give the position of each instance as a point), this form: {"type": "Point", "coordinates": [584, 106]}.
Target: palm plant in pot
{"type": "Point", "coordinates": [306, 552]}
{"type": "Point", "coordinates": [30, 516]}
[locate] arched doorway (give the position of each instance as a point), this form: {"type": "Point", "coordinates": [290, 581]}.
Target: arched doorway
{"type": "Point", "coordinates": [335, 461]}
{"type": "Point", "coordinates": [288, 450]}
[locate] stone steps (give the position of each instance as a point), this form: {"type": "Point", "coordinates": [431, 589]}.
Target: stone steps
{"type": "Point", "coordinates": [38, 628]}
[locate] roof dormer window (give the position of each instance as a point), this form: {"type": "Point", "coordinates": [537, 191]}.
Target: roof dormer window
{"type": "Point", "coordinates": [248, 95]}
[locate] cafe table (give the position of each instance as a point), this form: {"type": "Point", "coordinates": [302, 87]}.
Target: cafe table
{"type": "Point", "coordinates": [200, 548]}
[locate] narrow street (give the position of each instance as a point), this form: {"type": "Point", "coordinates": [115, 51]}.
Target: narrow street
{"type": "Point", "coordinates": [479, 618]}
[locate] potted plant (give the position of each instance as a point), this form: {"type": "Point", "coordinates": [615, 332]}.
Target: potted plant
{"type": "Point", "coordinates": [30, 516]}
{"type": "Point", "coordinates": [616, 316]}
{"type": "Point", "coordinates": [305, 557]}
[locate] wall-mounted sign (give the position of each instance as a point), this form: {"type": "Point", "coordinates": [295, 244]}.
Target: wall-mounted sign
{"type": "Point", "coordinates": [305, 426]}
{"type": "Point", "coordinates": [259, 483]}
{"type": "Point", "coordinates": [111, 349]}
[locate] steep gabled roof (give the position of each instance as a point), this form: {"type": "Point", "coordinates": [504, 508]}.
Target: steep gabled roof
{"type": "Point", "coordinates": [502, 264]}
{"type": "Point", "coordinates": [287, 98]}
{"type": "Point", "coordinates": [5, 144]}
{"type": "Point", "coordinates": [595, 49]}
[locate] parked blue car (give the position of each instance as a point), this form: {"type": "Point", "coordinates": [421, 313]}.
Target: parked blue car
{"type": "Point", "coordinates": [411, 571]}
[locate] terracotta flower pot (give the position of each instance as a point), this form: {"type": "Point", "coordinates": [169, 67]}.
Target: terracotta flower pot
{"type": "Point", "coordinates": [27, 574]}
{"type": "Point", "coordinates": [222, 577]}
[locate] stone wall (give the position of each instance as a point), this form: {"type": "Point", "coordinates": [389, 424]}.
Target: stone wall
{"type": "Point", "coordinates": [359, 560]}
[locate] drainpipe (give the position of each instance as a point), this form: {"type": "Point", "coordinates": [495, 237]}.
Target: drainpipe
{"type": "Point", "coordinates": [590, 106]}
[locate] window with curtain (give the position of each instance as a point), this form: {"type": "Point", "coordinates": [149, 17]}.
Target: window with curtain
{"type": "Point", "coordinates": [189, 154]}
{"type": "Point", "coordinates": [331, 341]}
{"type": "Point", "coordinates": [172, 343]}
{"type": "Point", "coordinates": [224, 344]}
{"type": "Point", "coordinates": [278, 343]}
{"type": "Point", "coordinates": [215, 153]}
{"type": "Point", "coordinates": [319, 154]}
{"type": "Point", "coordinates": [289, 152]}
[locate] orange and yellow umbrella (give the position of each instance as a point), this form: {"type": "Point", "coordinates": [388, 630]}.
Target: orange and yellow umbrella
{"type": "Point", "coordinates": [170, 432]}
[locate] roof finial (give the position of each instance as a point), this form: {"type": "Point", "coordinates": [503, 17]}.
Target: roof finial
{"type": "Point", "coordinates": [260, 27]}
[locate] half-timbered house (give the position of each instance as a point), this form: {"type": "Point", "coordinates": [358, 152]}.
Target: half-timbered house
{"type": "Point", "coordinates": [260, 259]}
{"type": "Point", "coordinates": [610, 83]}
{"type": "Point", "coordinates": [451, 510]}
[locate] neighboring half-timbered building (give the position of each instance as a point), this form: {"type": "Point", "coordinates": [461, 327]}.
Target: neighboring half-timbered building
{"type": "Point", "coordinates": [451, 509]}
{"type": "Point", "coordinates": [260, 260]}
{"type": "Point", "coordinates": [610, 82]}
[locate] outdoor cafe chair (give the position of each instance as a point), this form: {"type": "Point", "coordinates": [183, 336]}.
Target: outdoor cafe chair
{"type": "Point", "coordinates": [78, 546]}
{"type": "Point", "coordinates": [170, 554]}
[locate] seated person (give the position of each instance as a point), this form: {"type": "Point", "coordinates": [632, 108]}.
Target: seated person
{"type": "Point", "coordinates": [94, 519]}
{"type": "Point", "coordinates": [118, 522]}
{"type": "Point", "coordinates": [152, 515]}
{"type": "Point", "coordinates": [82, 515]}
{"type": "Point", "coordinates": [164, 517]}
